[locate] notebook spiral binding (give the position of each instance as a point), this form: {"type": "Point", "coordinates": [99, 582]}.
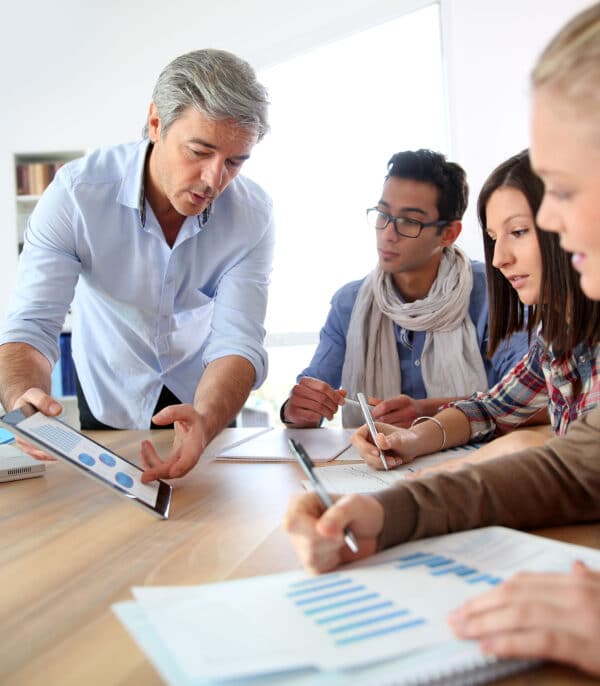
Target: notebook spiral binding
{"type": "Point", "coordinates": [480, 670]}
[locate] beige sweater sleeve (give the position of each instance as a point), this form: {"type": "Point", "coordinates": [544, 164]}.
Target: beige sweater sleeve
{"type": "Point", "coordinates": [556, 484]}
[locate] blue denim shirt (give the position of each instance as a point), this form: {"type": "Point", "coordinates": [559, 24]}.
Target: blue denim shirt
{"type": "Point", "coordinates": [328, 359]}
{"type": "Point", "coordinates": [145, 314]}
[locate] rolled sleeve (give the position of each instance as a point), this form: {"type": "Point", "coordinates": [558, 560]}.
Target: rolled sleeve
{"type": "Point", "coordinates": [511, 402]}
{"type": "Point", "coordinates": [557, 484]}
{"type": "Point", "coordinates": [328, 360]}
{"type": "Point", "coordinates": [240, 309]}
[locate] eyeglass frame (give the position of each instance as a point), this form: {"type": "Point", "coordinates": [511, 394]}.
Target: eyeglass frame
{"type": "Point", "coordinates": [406, 220]}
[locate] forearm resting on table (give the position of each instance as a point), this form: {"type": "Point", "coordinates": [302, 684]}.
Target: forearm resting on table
{"type": "Point", "coordinates": [222, 391]}
{"type": "Point", "coordinates": [428, 407]}
{"type": "Point", "coordinates": [517, 440]}
{"type": "Point", "coordinates": [22, 367]}
{"type": "Point", "coordinates": [456, 427]}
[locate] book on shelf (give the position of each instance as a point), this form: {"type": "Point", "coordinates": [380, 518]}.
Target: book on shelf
{"type": "Point", "coordinates": [34, 177]}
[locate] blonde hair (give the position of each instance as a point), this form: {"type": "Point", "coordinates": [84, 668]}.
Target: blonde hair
{"type": "Point", "coordinates": [570, 63]}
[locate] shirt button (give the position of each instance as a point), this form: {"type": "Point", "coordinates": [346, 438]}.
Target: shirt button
{"type": "Point", "coordinates": [417, 363]}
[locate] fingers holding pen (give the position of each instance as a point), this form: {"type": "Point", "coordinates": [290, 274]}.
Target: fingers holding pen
{"type": "Point", "coordinates": [310, 400]}
{"type": "Point", "coordinates": [391, 440]}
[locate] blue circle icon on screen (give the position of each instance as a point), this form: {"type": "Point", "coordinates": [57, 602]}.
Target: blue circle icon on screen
{"type": "Point", "coordinates": [124, 479]}
{"type": "Point", "coordinates": [108, 460]}
{"type": "Point", "coordinates": [87, 460]}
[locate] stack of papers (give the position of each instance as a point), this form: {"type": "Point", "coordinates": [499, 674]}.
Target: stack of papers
{"type": "Point", "coordinates": [380, 619]}
{"type": "Point", "coordinates": [322, 445]}
{"type": "Point", "coordinates": [360, 478]}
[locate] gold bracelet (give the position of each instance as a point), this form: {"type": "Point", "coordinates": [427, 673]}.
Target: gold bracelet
{"type": "Point", "coordinates": [418, 420]}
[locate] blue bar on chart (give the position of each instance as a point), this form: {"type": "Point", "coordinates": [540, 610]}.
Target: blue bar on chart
{"type": "Point", "coordinates": [349, 612]}
{"type": "Point", "coordinates": [315, 580]}
{"type": "Point", "coordinates": [411, 624]}
{"type": "Point", "coordinates": [485, 578]}
{"type": "Point", "coordinates": [340, 604]}
{"type": "Point", "coordinates": [319, 587]}
{"type": "Point", "coordinates": [426, 560]}
{"type": "Point", "coordinates": [331, 595]}
{"type": "Point", "coordinates": [441, 565]}
{"type": "Point", "coordinates": [458, 570]}
{"type": "Point", "coordinates": [353, 613]}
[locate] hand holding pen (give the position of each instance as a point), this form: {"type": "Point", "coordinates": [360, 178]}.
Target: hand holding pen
{"type": "Point", "coordinates": [308, 467]}
{"type": "Point", "coordinates": [364, 406]}
{"type": "Point", "coordinates": [310, 401]}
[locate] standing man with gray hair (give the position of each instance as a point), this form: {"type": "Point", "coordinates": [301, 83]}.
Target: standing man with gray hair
{"type": "Point", "coordinates": [171, 253]}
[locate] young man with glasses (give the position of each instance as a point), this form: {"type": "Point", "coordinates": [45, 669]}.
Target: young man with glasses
{"type": "Point", "coordinates": [412, 334]}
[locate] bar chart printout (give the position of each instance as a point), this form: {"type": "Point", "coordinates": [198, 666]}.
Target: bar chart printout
{"type": "Point", "coordinates": [391, 605]}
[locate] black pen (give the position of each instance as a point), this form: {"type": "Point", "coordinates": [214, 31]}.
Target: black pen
{"type": "Point", "coordinates": [307, 466]}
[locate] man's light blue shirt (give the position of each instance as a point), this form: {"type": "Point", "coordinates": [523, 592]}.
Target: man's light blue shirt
{"type": "Point", "coordinates": [328, 359]}
{"type": "Point", "coordinates": [144, 314]}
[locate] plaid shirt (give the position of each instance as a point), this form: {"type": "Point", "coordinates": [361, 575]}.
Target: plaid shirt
{"type": "Point", "coordinates": [567, 385]}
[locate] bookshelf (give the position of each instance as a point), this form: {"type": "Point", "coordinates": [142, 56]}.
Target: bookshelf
{"type": "Point", "coordinates": [33, 173]}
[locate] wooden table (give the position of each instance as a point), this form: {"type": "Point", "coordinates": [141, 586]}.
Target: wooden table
{"type": "Point", "coordinates": [69, 549]}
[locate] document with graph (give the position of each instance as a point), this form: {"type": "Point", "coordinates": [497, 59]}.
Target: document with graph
{"type": "Point", "coordinates": [355, 622]}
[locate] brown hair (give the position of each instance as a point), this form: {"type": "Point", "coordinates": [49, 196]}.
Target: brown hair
{"type": "Point", "coordinates": [561, 298]}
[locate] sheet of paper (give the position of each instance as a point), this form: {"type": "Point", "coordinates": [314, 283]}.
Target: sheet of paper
{"type": "Point", "coordinates": [322, 445]}
{"type": "Point", "coordinates": [231, 438]}
{"type": "Point", "coordinates": [430, 662]}
{"type": "Point", "coordinates": [344, 479]}
{"type": "Point", "coordinates": [391, 604]}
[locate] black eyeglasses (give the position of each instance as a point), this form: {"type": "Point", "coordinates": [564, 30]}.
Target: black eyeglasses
{"type": "Point", "coordinates": [409, 228]}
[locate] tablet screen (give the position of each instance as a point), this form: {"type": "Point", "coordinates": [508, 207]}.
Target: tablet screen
{"type": "Point", "coordinates": [91, 456]}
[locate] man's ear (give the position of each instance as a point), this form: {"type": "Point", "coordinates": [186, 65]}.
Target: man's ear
{"type": "Point", "coordinates": [451, 232]}
{"type": "Point", "coordinates": [154, 123]}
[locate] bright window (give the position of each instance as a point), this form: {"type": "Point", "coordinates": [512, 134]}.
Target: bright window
{"type": "Point", "coordinates": [338, 113]}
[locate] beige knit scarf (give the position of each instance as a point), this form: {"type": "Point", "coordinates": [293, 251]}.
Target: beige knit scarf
{"type": "Point", "coordinates": [451, 362]}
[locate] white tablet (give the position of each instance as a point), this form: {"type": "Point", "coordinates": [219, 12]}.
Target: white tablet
{"type": "Point", "coordinates": [95, 460]}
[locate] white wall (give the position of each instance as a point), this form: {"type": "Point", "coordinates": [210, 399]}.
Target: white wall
{"type": "Point", "coordinates": [490, 49]}
{"type": "Point", "coordinates": [77, 75]}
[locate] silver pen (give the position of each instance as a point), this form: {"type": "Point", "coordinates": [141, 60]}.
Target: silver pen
{"type": "Point", "coordinates": [307, 466]}
{"type": "Point", "coordinates": [364, 406]}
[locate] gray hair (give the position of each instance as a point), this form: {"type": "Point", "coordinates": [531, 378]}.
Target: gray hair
{"type": "Point", "coordinates": [219, 84]}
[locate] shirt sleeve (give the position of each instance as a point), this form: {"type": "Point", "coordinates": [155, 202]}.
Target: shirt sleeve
{"type": "Point", "coordinates": [48, 269]}
{"type": "Point", "coordinates": [509, 353]}
{"type": "Point", "coordinates": [554, 485]}
{"type": "Point", "coordinates": [328, 360]}
{"type": "Point", "coordinates": [240, 307]}
{"type": "Point", "coordinates": [511, 402]}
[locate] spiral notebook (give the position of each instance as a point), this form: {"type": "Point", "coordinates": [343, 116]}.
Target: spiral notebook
{"type": "Point", "coordinates": [381, 621]}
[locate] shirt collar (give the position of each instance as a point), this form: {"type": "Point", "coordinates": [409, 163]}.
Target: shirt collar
{"type": "Point", "coordinates": [133, 189]}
